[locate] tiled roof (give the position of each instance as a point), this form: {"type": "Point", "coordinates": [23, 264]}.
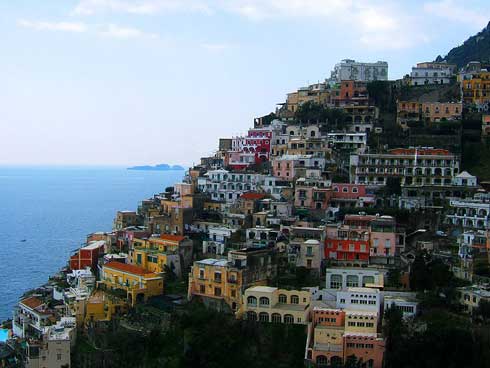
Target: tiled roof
{"type": "Point", "coordinates": [252, 195]}
{"type": "Point", "coordinates": [32, 302]}
{"type": "Point", "coordinates": [177, 238]}
{"type": "Point", "coordinates": [124, 267]}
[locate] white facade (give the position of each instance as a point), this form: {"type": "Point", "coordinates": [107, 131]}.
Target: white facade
{"type": "Point", "coordinates": [469, 213]}
{"type": "Point", "coordinates": [345, 277]}
{"type": "Point", "coordinates": [405, 302]}
{"type": "Point", "coordinates": [352, 141]}
{"type": "Point", "coordinates": [422, 76]}
{"type": "Point", "coordinates": [219, 237]}
{"type": "Point", "coordinates": [227, 186]}
{"type": "Point", "coordinates": [465, 179]}
{"type": "Point", "coordinates": [358, 71]}
{"type": "Point", "coordinates": [364, 299]}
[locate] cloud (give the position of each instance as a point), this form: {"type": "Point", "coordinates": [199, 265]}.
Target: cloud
{"type": "Point", "coordinates": [124, 33]}
{"type": "Point", "coordinates": [453, 11]}
{"type": "Point", "coordinates": [141, 7]}
{"type": "Point", "coordinates": [76, 27]}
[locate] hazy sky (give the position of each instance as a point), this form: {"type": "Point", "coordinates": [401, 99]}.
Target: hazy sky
{"type": "Point", "coordinates": [140, 82]}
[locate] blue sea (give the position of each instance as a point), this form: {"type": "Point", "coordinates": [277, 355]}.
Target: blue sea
{"type": "Point", "coordinates": [47, 212]}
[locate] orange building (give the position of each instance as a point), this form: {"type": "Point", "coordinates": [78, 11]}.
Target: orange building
{"type": "Point", "coordinates": [476, 90]}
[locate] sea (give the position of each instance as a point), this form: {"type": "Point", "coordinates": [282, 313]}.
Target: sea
{"type": "Point", "coordinates": [47, 212]}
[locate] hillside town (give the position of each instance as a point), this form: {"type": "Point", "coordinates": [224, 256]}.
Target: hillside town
{"type": "Point", "coordinates": [355, 206]}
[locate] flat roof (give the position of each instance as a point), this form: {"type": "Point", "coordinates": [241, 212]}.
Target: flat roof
{"type": "Point", "coordinates": [263, 289]}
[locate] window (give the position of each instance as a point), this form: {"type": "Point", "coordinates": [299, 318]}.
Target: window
{"type": "Point", "coordinates": [251, 316]}
{"type": "Point", "coordinates": [252, 301]}
{"type": "Point", "coordinates": [217, 291]}
{"type": "Point", "coordinates": [263, 301]}
{"type": "Point", "coordinates": [354, 190]}
{"type": "Point", "coordinates": [294, 299]}
{"type": "Point", "coordinates": [352, 281]}
{"type": "Point", "coordinates": [283, 298]}
{"type": "Point", "coordinates": [217, 277]}
{"type": "Point", "coordinates": [264, 317]}
{"type": "Point", "coordinates": [276, 318]}
{"type": "Point", "coordinates": [288, 319]}
{"type": "Point", "coordinates": [335, 281]}
{"type": "Point", "coordinates": [202, 289]}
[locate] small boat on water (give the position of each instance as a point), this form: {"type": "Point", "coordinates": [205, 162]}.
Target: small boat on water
{"type": "Point", "coordinates": [23, 240]}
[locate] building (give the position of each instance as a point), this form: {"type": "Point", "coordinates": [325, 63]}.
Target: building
{"type": "Point", "coordinates": [364, 239]}
{"type": "Point", "coordinates": [350, 195]}
{"type": "Point", "coordinates": [413, 166]}
{"type": "Point", "coordinates": [465, 179]}
{"type": "Point", "coordinates": [137, 283]}
{"type": "Point", "coordinates": [316, 93]}
{"type": "Point", "coordinates": [270, 304]}
{"type": "Point", "coordinates": [289, 167]}
{"type": "Point", "coordinates": [428, 75]}
{"type": "Point", "coordinates": [471, 296]}
{"type": "Point", "coordinates": [438, 65]}
{"type": "Point", "coordinates": [31, 318]}
{"type": "Point", "coordinates": [125, 219]}
{"type": "Point", "coordinates": [476, 89]}
{"type": "Point", "coordinates": [227, 186]}
{"type": "Point", "coordinates": [360, 299]}
{"type": "Point", "coordinates": [405, 302]}
{"type": "Point", "coordinates": [220, 284]}
{"type": "Point", "coordinates": [343, 141]}
{"type": "Point", "coordinates": [469, 213]}
{"type": "Point", "coordinates": [485, 126]}
{"type": "Point", "coordinates": [411, 113]}
{"type": "Point", "coordinates": [53, 349]}
{"type": "Point", "coordinates": [312, 193]}
{"type": "Point", "coordinates": [346, 277]}
{"type": "Point", "coordinates": [349, 69]}
{"type": "Point", "coordinates": [219, 239]}
{"type": "Point", "coordinates": [87, 256]}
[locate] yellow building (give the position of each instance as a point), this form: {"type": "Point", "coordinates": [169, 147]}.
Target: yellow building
{"type": "Point", "coordinates": [270, 304]}
{"type": "Point", "coordinates": [316, 93]}
{"type": "Point", "coordinates": [361, 321]}
{"type": "Point", "coordinates": [101, 306]}
{"type": "Point", "coordinates": [138, 283]}
{"type": "Point", "coordinates": [476, 90]}
{"type": "Point", "coordinates": [217, 282]}
{"type": "Point", "coordinates": [156, 252]}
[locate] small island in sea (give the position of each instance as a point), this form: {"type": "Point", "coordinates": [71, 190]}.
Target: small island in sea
{"type": "Point", "coordinates": [159, 167]}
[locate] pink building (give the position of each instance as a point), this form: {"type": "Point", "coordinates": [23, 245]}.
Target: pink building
{"type": "Point", "coordinates": [351, 195]}
{"type": "Point", "coordinates": [283, 168]}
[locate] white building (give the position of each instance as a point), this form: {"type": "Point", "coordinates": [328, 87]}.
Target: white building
{"type": "Point", "coordinates": [465, 179]}
{"type": "Point", "coordinates": [421, 76]}
{"type": "Point", "coordinates": [345, 277]}
{"type": "Point", "coordinates": [359, 298]}
{"type": "Point", "coordinates": [218, 239]}
{"type": "Point", "coordinates": [469, 213]}
{"type": "Point", "coordinates": [227, 186]}
{"type": "Point", "coordinates": [349, 69]}
{"type": "Point", "coordinates": [403, 301]}
{"type": "Point", "coordinates": [347, 141]}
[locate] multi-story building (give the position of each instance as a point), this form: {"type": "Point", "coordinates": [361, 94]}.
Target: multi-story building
{"type": "Point", "coordinates": [363, 239]}
{"type": "Point", "coordinates": [405, 302]}
{"type": "Point", "coordinates": [476, 89]}
{"type": "Point", "coordinates": [350, 195]}
{"type": "Point", "coordinates": [428, 75]}
{"type": "Point", "coordinates": [228, 186]}
{"type": "Point", "coordinates": [427, 112]}
{"type": "Point", "coordinates": [138, 283]}
{"type": "Point", "coordinates": [485, 126]}
{"type": "Point", "coordinates": [126, 218]}
{"type": "Point", "coordinates": [352, 142]}
{"type": "Point", "coordinates": [317, 93]}
{"type": "Point", "coordinates": [361, 117]}
{"type": "Point", "coordinates": [469, 213]}
{"type": "Point", "coordinates": [288, 167]}
{"type": "Point", "coordinates": [312, 193]}
{"type": "Point", "coordinates": [219, 239]}
{"type": "Point", "coordinates": [31, 318]}
{"type": "Point", "coordinates": [414, 167]}
{"type": "Point", "coordinates": [470, 296]}
{"type": "Point", "coordinates": [349, 69]}
{"type": "Point", "coordinates": [346, 277]}
{"type": "Point", "coordinates": [87, 256]}
{"type": "Point", "coordinates": [270, 304]}
{"type": "Point", "coordinates": [438, 65]}
{"type": "Point", "coordinates": [350, 92]}
{"type": "Point", "coordinates": [221, 283]}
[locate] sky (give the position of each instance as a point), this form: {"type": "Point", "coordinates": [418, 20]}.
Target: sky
{"type": "Point", "coordinates": [129, 82]}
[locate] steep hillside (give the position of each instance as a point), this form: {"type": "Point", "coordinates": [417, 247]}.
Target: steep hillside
{"type": "Point", "coordinates": [475, 48]}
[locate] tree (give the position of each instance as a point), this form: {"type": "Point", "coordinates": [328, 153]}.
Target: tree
{"type": "Point", "coordinates": [483, 309]}
{"type": "Point", "coordinates": [419, 274]}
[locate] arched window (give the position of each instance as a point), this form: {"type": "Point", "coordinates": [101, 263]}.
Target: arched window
{"type": "Point", "coordinates": [264, 317]}
{"type": "Point", "coordinates": [352, 281]}
{"type": "Point", "coordinates": [288, 319]}
{"type": "Point", "coordinates": [321, 360]}
{"type": "Point", "coordinates": [294, 299]}
{"type": "Point", "coordinates": [251, 316]}
{"type": "Point", "coordinates": [283, 298]}
{"type": "Point", "coordinates": [276, 318]}
{"type": "Point", "coordinates": [251, 300]}
{"type": "Point", "coordinates": [335, 281]}
{"type": "Point", "coordinates": [367, 280]}
{"type": "Point", "coordinates": [263, 301]}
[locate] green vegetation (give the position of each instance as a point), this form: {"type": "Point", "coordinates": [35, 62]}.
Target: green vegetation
{"type": "Point", "coordinates": [198, 337]}
{"type": "Point", "coordinates": [312, 112]}
{"type": "Point", "coordinates": [476, 47]}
